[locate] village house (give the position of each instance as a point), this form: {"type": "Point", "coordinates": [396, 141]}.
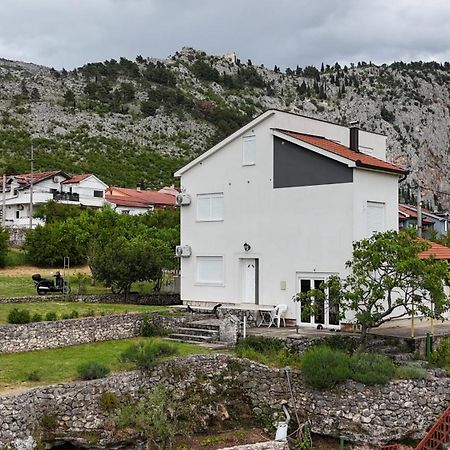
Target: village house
{"type": "Point", "coordinates": [273, 210]}
{"type": "Point", "coordinates": [432, 222]}
{"type": "Point", "coordinates": [83, 190]}
{"type": "Point", "coordinates": [137, 201]}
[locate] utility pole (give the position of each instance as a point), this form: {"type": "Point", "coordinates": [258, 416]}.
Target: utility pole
{"type": "Point", "coordinates": [31, 188]}
{"type": "Point", "coordinates": [4, 201]}
{"type": "Point", "coordinates": [419, 212]}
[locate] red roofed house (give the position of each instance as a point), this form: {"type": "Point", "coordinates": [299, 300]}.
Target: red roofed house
{"type": "Point", "coordinates": [274, 208]}
{"type": "Point", "coordinates": [407, 216]}
{"type": "Point", "coordinates": [135, 201]}
{"type": "Point", "coordinates": [83, 190]}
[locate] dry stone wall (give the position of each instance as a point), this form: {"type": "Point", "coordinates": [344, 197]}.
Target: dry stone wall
{"type": "Point", "coordinates": [62, 333]}
{"type": "Point", "coordinates": [160, 298]}
{"type": "Point", "coordinates": [400, 409]}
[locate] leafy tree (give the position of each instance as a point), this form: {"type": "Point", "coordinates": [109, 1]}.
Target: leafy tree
{"type": "Point", "coordinates": [204, 71]}
{"type": "Point", "coordinates": [124, 261]}
{"type": "Point", "coordinates": [35, 95]}
{"type": "Point", "coordinates": [4, 240]}
{"type": "Point", "coordinates": [52, 211]}
{"type": "Point", "coordinates": [387, 281]}
{"type": "Point", "coordinates": [69, 98]}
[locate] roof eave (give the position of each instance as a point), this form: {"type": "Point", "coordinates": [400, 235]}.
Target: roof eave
{"type": "Point", "coordinates": [226, 141]}
{"type": "Point", "coordinates": [398, 171]}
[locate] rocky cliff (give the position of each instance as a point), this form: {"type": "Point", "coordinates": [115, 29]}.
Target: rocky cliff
{"type": "Point", "coordinates": [131, 121]}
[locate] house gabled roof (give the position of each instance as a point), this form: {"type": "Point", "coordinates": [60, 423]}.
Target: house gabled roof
{"type": "Point", "coordinates": [436, 251]}
{"type": "Point", "coordinates": [25, 179]}
{"type": "Point", "coordinates": [359, 158]}
{"type": "Point", "coordinates": [406, 213]}
{"type": "Point", "coordinates": [77, 178]}
{"type": "Point", "coordinates": [132, 197]}
{"type": "Point", "coordinates": [425, 212]}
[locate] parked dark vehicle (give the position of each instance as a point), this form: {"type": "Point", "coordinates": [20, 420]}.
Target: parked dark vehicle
{"type": "Point", "coordinates": [44, 286]}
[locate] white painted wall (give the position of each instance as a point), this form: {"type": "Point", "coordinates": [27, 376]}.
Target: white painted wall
{"type": "Point", "coordinates": [85, 189]}
{"type": "Point", "coordinates": [132, 211]}
{"type": "Point", "coordinates": [291, 230]}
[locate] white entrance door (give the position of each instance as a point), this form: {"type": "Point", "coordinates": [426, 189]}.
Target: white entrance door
{"type": "Point", "coordinates": [324, 314]}
{"type": "Point", "coordinates": [249, 267]}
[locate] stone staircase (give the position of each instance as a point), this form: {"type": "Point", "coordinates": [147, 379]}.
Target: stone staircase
{"type": "Point", "coordinates": [391, 351]}
{"type": "Point", "coordinates": [199, 332]}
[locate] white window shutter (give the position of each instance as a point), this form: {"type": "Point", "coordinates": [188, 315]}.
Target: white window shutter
{"type": "Point", "coordinates": [375, 217]}
{"type": "Point", "coordinates": [249, 150]}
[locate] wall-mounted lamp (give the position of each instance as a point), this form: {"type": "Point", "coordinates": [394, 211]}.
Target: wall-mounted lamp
{"type": "Point", "coordinates": [247, 247]}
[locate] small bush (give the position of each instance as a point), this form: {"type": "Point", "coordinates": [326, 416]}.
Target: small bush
{"type": "Point", "coordinates": [73, 314]}
{"type": "Point", "coordinates": [89, 313]}
{"type": "Point", "coordinates": [146, 355]}
{"type": "Point", "coordinates": [36, 317]}
{"type": "Point", "coordinates": [410, 372]}
{"type": "Point", "coordinates": [323, 367]}
{"type": "Point", "coordinates": [19, 316]}
{"type": "Point", "coordinates": [48, 421]}
{"type": "Point", "coordinates": [109, 401]}
{"type": "Point", "coordinates": [149, 329]}
{"type": "Point", "coordinates": [33, 376]}
{"type": "Point", "coordinates": [441, 356]}
{"type": "Point", "coordinates": [92, 370]}
{"type": "Point", "coordinates": [51, 316]}
{"type": "Point", "coordinates": [371, 368]}
{"type": "Point", "coordinates": [261, 344]}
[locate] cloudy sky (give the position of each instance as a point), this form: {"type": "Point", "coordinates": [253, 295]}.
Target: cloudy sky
{"type": "Point", "coordinates": [69, 33]}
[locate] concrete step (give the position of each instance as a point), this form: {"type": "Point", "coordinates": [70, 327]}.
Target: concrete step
{"type": "Point", "coordinates": [195, 339]}
{"type": "Point", "coordinates": [207, 332]}
{"type": "Point", "coordinates": [204, 325]}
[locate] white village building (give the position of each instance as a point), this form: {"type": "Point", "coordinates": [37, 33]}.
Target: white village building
{"type": "Point", "coordinates": [273, 210]}
{"type": "Point", "coordinates": [83, 190]}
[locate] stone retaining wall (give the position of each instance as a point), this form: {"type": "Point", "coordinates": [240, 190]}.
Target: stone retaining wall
{"type": "Point", "coordinates": [62, 333]}
{"type": "Point", "coordinates": [161, 299]}
{"type": "Point", "coordinates": [400, 409]}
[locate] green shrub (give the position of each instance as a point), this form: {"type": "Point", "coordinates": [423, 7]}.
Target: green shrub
{"type": "Point", "coordinates": [441, 355]}
{"type": "Point", "coordinates": [108, 401]}
{"type": "Point", "coordinates": [89, 313]}
{"type": "Point", "coordinates": [371, 368]}
{"type": "Point", "coordinates": [260, 344]}
{"type": "Point", "coordinates": [323, 367]}
{"type": "Point", "coordinates": [92, 370]}
{"type": "Point", "coordinates": [4, 240]}
{"type": "Point", "coordinates": [409, 372]}
{"type": "Point", "coordinates": [146, 355]}
{"type": "Point", "coordinates": [19, 316]}
{"type": "Point", "coordinates": [34, 375]}
{"type": "Point", "coordinates": [36, 317]}
{"type": "Point", "coordinates": [51, 316]}
{"type": "Point", "coordinates": [73, 314]}
{"type": "Point", "coordinates": [48, 421]}
{"type": "Point", "coordinates": [149, 329]}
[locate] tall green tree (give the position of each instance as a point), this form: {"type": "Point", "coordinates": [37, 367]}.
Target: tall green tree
{"type": "Point", "coordinates": [4, 240]}
{"type": "Point", "coordinates": [388, 281]}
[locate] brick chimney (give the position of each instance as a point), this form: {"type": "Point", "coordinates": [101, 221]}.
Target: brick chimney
{"type": "Point", "coordinates": [354, 136]}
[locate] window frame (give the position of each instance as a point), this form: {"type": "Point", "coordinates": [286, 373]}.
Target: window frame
{"type": "Point", "coordinates": [198, 281]}
{"type": "Point", "coordinates": [210, 196]}
{"type": "Point", "coordinates": [375, 204]}
{"type": "Point", "coordinates": [248, 138]}
{"type": "Point", "coordinates": [102, 195]}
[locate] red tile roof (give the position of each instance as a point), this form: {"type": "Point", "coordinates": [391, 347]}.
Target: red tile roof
{"type": "Point", "coordinates": [132, 197]}
{"type": "Point", "coordinates": [436, 251]}
{"type": "Point", "coordinates": [361, 159]}
{"type": "Point", "coordinates": [407, 212]}
{"type": "Point", "coordinates": [24, 179]}
{"type": "Point", "coordinates": [77, 178]}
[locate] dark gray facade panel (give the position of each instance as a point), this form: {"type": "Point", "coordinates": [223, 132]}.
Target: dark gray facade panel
{"type": "Point", "coordinates": [294, 165]}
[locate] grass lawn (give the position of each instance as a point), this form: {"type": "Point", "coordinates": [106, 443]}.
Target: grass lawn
{"type": "Point", "coordinates": [59, 365]}
{"type": "Point", "coordinates": [22, 285]}
{"type": "Point", "coordinates": [83, 309]}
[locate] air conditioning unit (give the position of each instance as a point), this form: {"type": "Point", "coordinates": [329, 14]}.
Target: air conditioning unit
{"type": "Point", "coordinates": [183, 251]}
{"type": "Point", "coordinates": [183, 199]}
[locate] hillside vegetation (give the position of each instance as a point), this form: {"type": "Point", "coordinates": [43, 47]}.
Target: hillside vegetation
{"type": "Point", "coordinates": [132, 121]}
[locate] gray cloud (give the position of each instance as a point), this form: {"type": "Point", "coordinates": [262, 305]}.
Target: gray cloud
{"type": "Point", "coordinates": [69, 33]}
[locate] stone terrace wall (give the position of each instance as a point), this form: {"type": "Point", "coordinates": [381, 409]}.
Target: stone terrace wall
{"type": "Point", "coordinates": [360, 413]}
{"type": "Point", "coordinates": [162, 299]}
{"type": "Point", "coordinates": [62, 333]}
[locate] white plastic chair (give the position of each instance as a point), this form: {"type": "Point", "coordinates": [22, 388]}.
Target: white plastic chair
{"type": "Point", "coordinates": [278, 315]}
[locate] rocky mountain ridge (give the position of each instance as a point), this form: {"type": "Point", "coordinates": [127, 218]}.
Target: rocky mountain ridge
{"type": "Point", "coordinates": [140, 120]}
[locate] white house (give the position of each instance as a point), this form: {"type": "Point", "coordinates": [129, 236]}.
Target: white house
{"type": "Point", "coordinates": [86, 189]}
{"type": "Point", "coordinates": [273, 210]}
{"type": "Point", "coordinates": [83, 190]}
